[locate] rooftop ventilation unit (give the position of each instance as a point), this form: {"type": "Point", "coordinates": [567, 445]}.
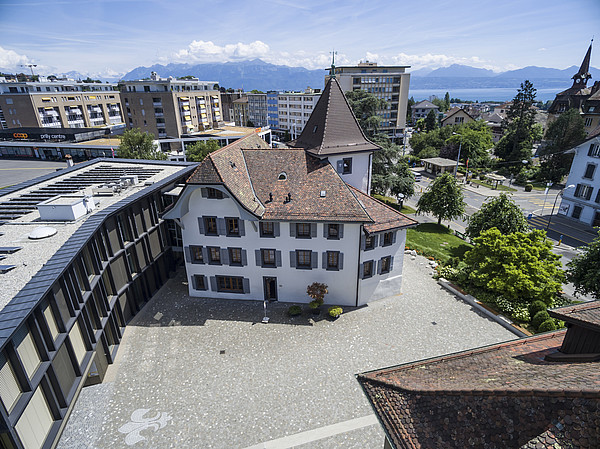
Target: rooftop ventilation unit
{"type": "Point", "coordinates": [65, 208]}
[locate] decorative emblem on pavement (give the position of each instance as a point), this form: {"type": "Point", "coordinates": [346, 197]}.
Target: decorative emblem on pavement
{"type": "Point", "coordinates": [139, 423]}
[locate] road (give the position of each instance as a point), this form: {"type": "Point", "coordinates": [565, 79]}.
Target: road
{"type": "Point", "coordinates": [15, 171]}
{"type": "Point", "coordinates": [567, 234]}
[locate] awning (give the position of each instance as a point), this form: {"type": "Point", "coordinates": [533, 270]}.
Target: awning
{"type": "Point", "coordinates": [46, 99]}
{"type": "Point", "coordinates": [186, 108]}
{"type": "Point", "coordinates": [184, 98]}
{"type": "Point", "coordinates": [92, 97]}
{"type": "Point", "coordinates": [49, 108]}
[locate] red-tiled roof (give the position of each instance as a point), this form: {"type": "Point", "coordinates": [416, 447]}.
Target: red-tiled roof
{"type": "Point", "coordinates": [585, 315]}
{"type": "Point", "coordinates": [305, 178]}
{"type": "Point", "coordinates": [332, 127]}
{"type": "Point", "coordinates": [500, 396]}
{"type": "Point", "coordinates": [384, 217]}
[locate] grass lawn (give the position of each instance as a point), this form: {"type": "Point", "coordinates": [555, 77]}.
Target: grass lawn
{"type": "Point", "coordinates": [437, 241]}
{"type": "Point", "coordinates": [487, 184]}
{"type": "Point", "coordinates": [407, 210]}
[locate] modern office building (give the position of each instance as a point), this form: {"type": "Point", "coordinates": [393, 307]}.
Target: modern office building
{"type": "Point", "coordinates": [82, 250]}
{"type": "Point", "coordinates": [59, 104]}
{"type": "Point", "coordinates": [257, 109]}
{"type": "Point", "coordinates": [55, 143]}
{"type": "Point", "coordinates": [389, 83]}
{"type": "Point", "coordinates": [272, 110]}
{"type": "Point", "coordinates": [294, 109]}
{"type": "Point", "coordinates": [169, 107]}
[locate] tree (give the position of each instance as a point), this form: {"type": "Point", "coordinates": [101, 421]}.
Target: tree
{"type": "Point", "coordinates": [197, 151]}
{"type": "Point", "coordinates": [317, 292]}
{"type": "Point", "coordinates": [517, 142]}
{"type": "Point", "coordinates": [443, 198]}
{"type": "Point", "coordinates": [365, 107]}
{"type": "Point", "coordinates": [410, 104]}
{"type": "Point", "coordinates": [501, 213]}
{"type": "Point", "coordinates": [441, 104]}
{"type": "Point", "coordinates": [137, 145]}
{"type": "Point", "coordinates": [584, 270]}
{"type": "Point", "coordinates": [476, 140]}
{"type": "Point", "coordinates": [390, 173]}
{"type": "Point", "coordinates": [519, 267]}
{"type": "Point", "coordinates": [431, 121]}
{"type": "Point", "coordinates": [564, 133]}
{"type": "Point", "coordinates": [447, 100]}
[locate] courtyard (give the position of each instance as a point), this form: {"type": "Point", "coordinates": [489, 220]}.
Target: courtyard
{"type": "Point", "coordinates": [208, 374]}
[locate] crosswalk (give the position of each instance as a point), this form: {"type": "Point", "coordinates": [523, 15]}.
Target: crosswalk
{"type": "Point", "coordinates": [538, 222]}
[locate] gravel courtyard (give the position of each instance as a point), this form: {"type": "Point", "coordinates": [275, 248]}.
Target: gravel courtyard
{"type": "Point", "coordinates": [202, 373]}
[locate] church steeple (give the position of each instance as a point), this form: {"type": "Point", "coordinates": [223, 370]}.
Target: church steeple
{"type": "Point", "coordinates": [581, 78]}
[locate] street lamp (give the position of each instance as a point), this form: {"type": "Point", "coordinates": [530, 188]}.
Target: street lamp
{"type": "Point", "coordinates": [459, 148]}
{"type": "Point", "coordinates": [570, 186]}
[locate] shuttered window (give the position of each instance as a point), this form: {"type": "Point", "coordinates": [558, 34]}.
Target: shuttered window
{"type": "Point", "coordinates": [35, 422]}
{"type": "Point", "coordinates": [27, 351]}
{"type": "Point", "coordinates": [76, 338]}
{"type": "Point", "coordinates": [9, 387]}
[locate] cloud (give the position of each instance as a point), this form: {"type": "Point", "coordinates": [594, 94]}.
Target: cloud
{"type": "Point", "coordinates": [207, 51]}
{"type": "Point", "coordinates": [431, 60]}
{"type": "Point", "coordinates": [11, 60]}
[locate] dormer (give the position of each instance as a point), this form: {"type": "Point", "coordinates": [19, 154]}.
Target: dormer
{"type": "Point", "coordinates": [582, 340]}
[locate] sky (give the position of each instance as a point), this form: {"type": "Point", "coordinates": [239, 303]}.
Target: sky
{"type": "Point", "coordinates": [107, 38]}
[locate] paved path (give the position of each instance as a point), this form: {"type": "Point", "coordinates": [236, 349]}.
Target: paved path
{"type": "Point", "coordinates": [208, 374]}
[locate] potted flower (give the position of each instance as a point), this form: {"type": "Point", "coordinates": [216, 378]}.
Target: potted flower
{"type": "Point", "coordinates": [334, 312]}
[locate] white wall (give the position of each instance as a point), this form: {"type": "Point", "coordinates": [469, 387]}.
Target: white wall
{"type": "Point", "coordinates": [361, 168]}
{"type": "Point", "coordinates": [578, 168]}
{"type": "Point", "coordinates": [383, 285]}
{"type": "Point", "coordinates": [292, 282]}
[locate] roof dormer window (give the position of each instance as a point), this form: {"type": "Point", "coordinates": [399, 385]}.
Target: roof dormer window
{"type": "Point", "coordinates": [282, 176]}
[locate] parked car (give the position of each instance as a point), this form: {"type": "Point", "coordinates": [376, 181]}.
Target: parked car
{"type": "Point", "coordinates": [416, 174]}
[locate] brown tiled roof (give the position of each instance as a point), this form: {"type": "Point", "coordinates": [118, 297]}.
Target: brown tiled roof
{"type": "Point", "coordinates": [332, 128]}
{"type": "Point", "coordinates": [384, 217]}
{"type": "Point", "coordinates": [584, 315]}
{"type": "Point", "coordinates": [500, 396]}
{"type": "Point", "coordinates": [453, 111]}
{"type": "Point", "coordinates": [227, 166]}
{"type": "Point", "coordinates": [306, 177]}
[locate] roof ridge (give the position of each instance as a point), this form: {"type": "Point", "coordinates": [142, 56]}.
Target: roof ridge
{"type": "Point", "coordinates": [380, 202]}
{"type": "Point", "coordinates": [468, 352]}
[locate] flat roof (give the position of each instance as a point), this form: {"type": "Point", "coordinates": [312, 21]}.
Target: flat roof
{"type": "Point", "coordinates": [33, 261]}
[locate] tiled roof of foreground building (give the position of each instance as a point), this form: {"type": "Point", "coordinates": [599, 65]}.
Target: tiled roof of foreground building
{"type": "Point", "coordinates": [502, 396]}
{"type": "Point", "coordinates": [290, 184]}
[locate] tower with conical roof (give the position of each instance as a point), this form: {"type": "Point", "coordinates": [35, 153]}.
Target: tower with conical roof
{"type": "Point", "coordinates": [576, 95]}
{"type": "Point", "coordinates": [333, 133]}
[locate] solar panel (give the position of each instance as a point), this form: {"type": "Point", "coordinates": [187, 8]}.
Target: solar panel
{"type": "Point", "coordinates": [9, 249]}
{"type": "Point", "coordinates": [6, 268]}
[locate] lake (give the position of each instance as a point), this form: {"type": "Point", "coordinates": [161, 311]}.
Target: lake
{"type": "Point", "coordinates": [482, 94]}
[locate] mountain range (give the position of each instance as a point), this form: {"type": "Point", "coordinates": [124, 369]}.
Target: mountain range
{"type": "Point", "coordinates": [257, 74]}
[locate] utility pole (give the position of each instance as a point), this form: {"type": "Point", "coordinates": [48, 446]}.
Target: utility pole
{"type": "Point", "coordinates": [31, 66]}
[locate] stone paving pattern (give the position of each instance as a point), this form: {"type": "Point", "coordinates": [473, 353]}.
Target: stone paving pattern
{"type": "Point", "coordinates": [289, 376]}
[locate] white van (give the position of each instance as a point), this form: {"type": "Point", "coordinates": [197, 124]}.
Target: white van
{"type": "Point", "coordinates": [416, 174]}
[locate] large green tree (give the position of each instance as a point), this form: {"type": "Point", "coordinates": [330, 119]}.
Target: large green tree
{"type": "Point", "coordinates": [137, 145]}
{"type": "Point", "coordinates": [564, 133]}
{"type": "Point", "coordinates": [584, 270]}
{"type": "Point", "coordinates": [391, 174]}
{"type": "Point", "coordinates": [520, 133]}
{"type": "Point", "coordinates": [197, 151]}
{"type": "Point", "coordinates": [366, 107]}
{"type": "Point", "coordinates": [443, 198]}
{"type": "Point", "coordinates": [520, 267]}
{"type": "Point", "coordinates": [476, 139]}
{"type": "Point", "coordinates": [431, 121]}
{"type": "Point", "coordinates": [501, 213]}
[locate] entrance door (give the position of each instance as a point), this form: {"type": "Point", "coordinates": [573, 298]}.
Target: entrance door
{"type": "Point", "coordinates": [270, 285]}
{"type": "Point", "coordinates": [596, 219]}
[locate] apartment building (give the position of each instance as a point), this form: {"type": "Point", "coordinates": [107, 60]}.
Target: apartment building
{"type": "Point", "coordinates": [69, 291]}
{"type": "Point", "coordinates": [257, 109]}
{"type": "Point", "coordinates": [59, 104]}
{"type": "Point", "coordinates": [294, 109]}
{"type": "Point", "coordinates": [169, 107]}
{"type": "Point", "coordinates": [240, 111]}
{"type": "Point", "coordinates": [389, 83]}
{"type": "Point", "coordinates": [227, 99]}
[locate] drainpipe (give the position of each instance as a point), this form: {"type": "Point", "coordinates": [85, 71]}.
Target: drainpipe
{"type": "Point", "coordinates": [360, 233]}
